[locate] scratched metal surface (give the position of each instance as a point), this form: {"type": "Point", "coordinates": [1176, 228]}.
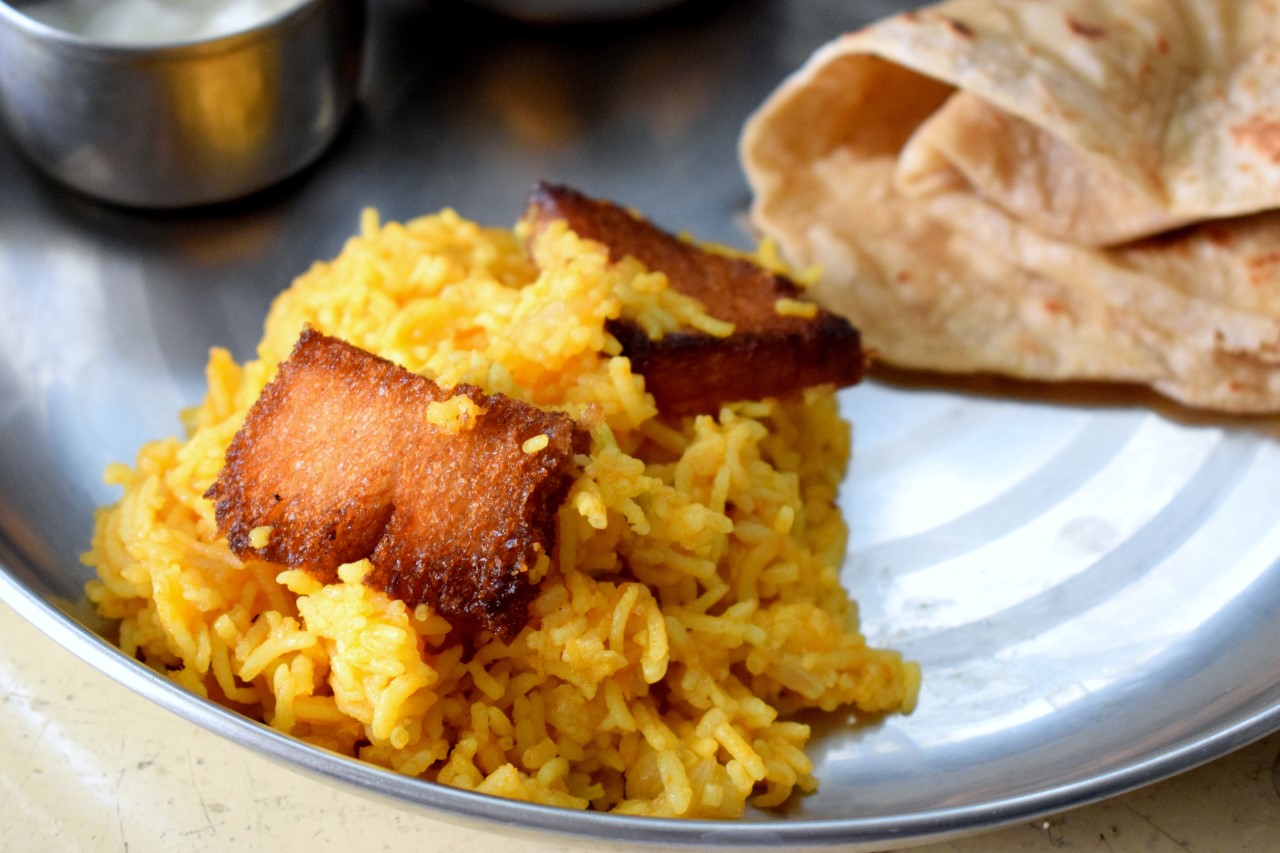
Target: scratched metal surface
{"type": "Point", "coordinates": [1088, 577]}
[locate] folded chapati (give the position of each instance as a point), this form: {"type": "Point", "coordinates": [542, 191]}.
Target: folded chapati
{"type": "Point", "coordinates": [1050, 189]}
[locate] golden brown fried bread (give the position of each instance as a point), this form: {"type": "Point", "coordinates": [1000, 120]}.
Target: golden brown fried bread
{"type": "Point", "coordinates": [339, 460]}
{"type": "Point", "coordinates": [769, 354]}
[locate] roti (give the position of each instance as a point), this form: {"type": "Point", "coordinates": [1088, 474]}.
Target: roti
{"type": "Point", "coordinates": [1051, 190]}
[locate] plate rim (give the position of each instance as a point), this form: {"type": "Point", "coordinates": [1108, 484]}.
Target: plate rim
{"type": "Point", "coordinates": [499, 814]}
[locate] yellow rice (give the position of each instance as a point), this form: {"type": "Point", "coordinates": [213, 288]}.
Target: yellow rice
{"type": "Point", "coordinates": [691, 605]}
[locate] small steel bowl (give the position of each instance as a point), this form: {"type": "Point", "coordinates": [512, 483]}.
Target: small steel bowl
{"type": "Point", "coordinates": [185, 123]}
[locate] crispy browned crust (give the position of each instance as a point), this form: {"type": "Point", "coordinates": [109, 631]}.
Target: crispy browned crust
{"type": "Point", "coordinates": [338, 458]}
{"type": "Point", "coordinates": [690, 372]}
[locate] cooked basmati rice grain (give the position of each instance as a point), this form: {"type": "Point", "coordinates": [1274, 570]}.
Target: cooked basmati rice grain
{"type": "Point", "coordinates": [692, 601]}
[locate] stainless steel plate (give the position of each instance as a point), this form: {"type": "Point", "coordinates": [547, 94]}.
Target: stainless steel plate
{"type": "Point", "coordinates": [1088, 577]}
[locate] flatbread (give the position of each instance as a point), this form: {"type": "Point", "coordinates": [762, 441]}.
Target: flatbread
{"type": "Point", "coordinates": [1049, 189]}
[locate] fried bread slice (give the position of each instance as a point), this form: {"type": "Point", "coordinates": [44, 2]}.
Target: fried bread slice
{"type": "Point", "coordinates": [768, 354]}
{"type": "Point", "coordinates": [337, 460]}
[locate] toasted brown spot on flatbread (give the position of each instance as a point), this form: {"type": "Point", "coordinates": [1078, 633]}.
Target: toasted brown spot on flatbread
{"type": "Point", "coordinates": [1084, 28]}
{"type": "Point", "coordinates": [688, 372]}
{"type": "Point", "coordinates": [1261, 134]}
{"type": "Point", "coordinates": [337, 457]}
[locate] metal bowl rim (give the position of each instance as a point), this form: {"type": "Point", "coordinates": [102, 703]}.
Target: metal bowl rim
{"type": "Point", "coordinates": [82, 45]}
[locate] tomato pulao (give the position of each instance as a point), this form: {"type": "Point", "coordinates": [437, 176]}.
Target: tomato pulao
{"type": "Point", "coordinates": [691, 602]}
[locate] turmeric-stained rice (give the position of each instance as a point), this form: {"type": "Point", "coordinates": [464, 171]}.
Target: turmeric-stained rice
{"type": "Point", "coordinates": [691, 604]}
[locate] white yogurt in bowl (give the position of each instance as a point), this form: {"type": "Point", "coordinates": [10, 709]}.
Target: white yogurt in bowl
{"type": "Point", "coordinates": [149, 22]}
